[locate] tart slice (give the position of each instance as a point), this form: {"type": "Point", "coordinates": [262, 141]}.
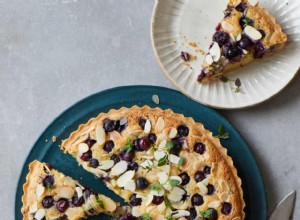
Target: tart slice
{"type": "Point", "coordinates": [247, 32]}
{"type": "Point", "coordinates": [49, 194]}
{"type": "Point", "coordinates": [166, 166]}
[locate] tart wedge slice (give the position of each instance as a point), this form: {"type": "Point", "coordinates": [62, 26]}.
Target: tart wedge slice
{"type": "Point", "coordinates": [49, 194]}
{"type": "Point", "coordinates": [166, 166]}
{"type": "Point", "coordinates": [247, 32]}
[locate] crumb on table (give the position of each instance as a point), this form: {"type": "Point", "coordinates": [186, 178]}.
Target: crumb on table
{"type": "Point", "coordinates": [54, 138]}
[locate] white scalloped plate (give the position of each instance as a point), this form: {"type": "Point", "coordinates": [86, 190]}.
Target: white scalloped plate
{"type": "Point", "coordinates": [177, 22]}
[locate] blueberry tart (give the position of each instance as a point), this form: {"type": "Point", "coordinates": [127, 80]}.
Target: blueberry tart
{"type": "Point", "coordinates": [247, 32]}
{"type": "Point", "coordinates": [164, 165]}
{"type": "Point", "coordinates": [49, 194]}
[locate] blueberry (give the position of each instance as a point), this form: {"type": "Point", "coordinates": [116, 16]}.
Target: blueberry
{"type": "Point", "coordinates": [245, 21]}
{"type": "Point", "coordinates": [185, 56]}
{"type": "Point", "coordinates": [231, 51]}
{"type": "Point", "coordinates": [133, 166]}
{"type": "Point", "coordinates": [158, 200]}
{"type": "Point", "coordinates": [144, 143]}
{"type": "Point", "coordinates": [152, 138]}
{"type": "Point", "coordinates": [87, 192]}
{"type": "Point", "coordinates": [177, 146]}
{"type": "Point", "coordinates": [193, 213]}
{"type": "Point", "coordinates": [259, 50]}
{"type": "Point", "coordinates": [183, 131]}
{"type": "Point", "coordinates": [115, 158]}
{"type": "Point", "coordinates": [62, 205]}
{"type": "Point", "coordinates": [228, 11]}
{"type": "Point", "coordinates": [244, 43]}
{"type": "Point", "coordinates": [134, 201]}
{"type": "Point", "coordinates": [127, 156]}
{"type": "Point", "coordinates": [86, 156]}
{"type": "Point", "coordinates": [263, 33]}
{"type": "Point", "coordinates": [48, 202]}
{"type": "Point", "coordinates": [199, 176]}
{"type": "Point", "coordinates": [207, 170]}
{"type": "Point", "coordinates": [201, 76]}
{"type": "Point", "coordinates": [77, 201]}
{"type": "Point", "coordinates": [185, 178]}
{"type": "Point", "coordinates": [48, 181]}
{"type": "Point", "coordinates": [108, 146]}
{"type": "Point", "coordinates": [241, 7]}
{"type": "Point", "coordinates": [141, 183]}
{"type": "Point", "coordinates": [128, 216]}
{"type": "Point", "coordinates": [142, 122]}
{"type": "Point", "coordinates": [213, 214]}
{"type": "Point", "coordinates": [211, 189]}
{"type": "Point", "coordinates": [94, 163]}
{"type": "Point", "coordinates": [226, 208]}
{"type": "Point", "coordinates": [90, 142]}
{"type": "Point", "coordinates": [199, 148]}
{"type": "Point", "coordinates": [221, 38]}
{"type": "Point", "coordinates": [197, 200]}
{"type": "Point", "coordinates": [110, 125]}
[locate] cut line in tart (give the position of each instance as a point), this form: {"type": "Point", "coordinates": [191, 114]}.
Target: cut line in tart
{"type": "Point", "coordinates": [51, 195]}
{"type": "Point", "coordinates": [247, 32]}
{"type": "Point", "coordinates": [165, 165]}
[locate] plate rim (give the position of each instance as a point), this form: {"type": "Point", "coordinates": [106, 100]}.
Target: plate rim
{"type": "Point", "coordinates": [153, 16]}
{"type": "Point", "coordinates": [74, 106]}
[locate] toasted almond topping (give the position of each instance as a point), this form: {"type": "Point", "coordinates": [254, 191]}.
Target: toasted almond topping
{"type": "Point", "coordinates": [159, 192]}
{"type": "Point", "coordinates": [209, 60]}
{"type": "Point", "coordinates": [227, 26]}
{"type": "Point", "coordinates": [149, 199]}
{"type": "Point", "coordinates": [39, 191]}
{"type": "Point", "coordinates": [174, 159]}
{"type": "Point", "coordinates": [155, 99]}
{"type": "Point", "coordinates": [82, 148]}
{"type": "Point", "coordinates": [119, 168]}
{"type": "Point", "coordinates": [106, 165]}
{"type": "Point", "coordinates": [174, 198]}
{"type": "Point", "coordinates": [205, 181]}
{"type": "Point", "coordinates": [147, 127]}
{"type": "Point", "coordinates": [162, 177]}
{"type": "Point", "coordinates": [253, 2]}
{"type": "Point", "coordinates": [123, 121]}
{"type": "Point", "coordinates": [69, 182]}
{"type": "Point", "coordinates": [232, 37]}
{"type": "Point", "coordinates": [124, 178]}
{"type": "Point", "coordinates": [239, 37]}
{"type": "Point", "coordinates": [252, 33]}
{"type": "Point", "coordinates": [224, 196]}
{"type": "Point", "coordinates": [33, 208]}
{"type": "Point", "coordinates": [159, 155]}
{"type": "Point", "coordinates": [245, 51]}
{"type": "Point", "coordinates": [178, 191]}
{"type": "Point", "coordinates": [79, 192]}
{"type": "Point", "coordinates": [114, 135]}
{"type": "Point", "coordinates": [166, 168]}
{"type": "Point", "coordinates": [136, 212]}
{"type": "Point", "coordinates": [130, 186]}
{"type": "Point", "coordinates": [203, 188]}
{"type": "Point", "coordinates": [40, 214]}
{"type": "Point", "coordinates": [65, 192]}
{"type": "Point", "coordinates": [100, 134]}
{"type": "Point", "coordinates": [108, 203]}
{"type": "Point", "coordinates": [173, 132]}
{"type": "Point", "coordinates": [146, 163]}
{"type": "Point", "coordinates": [214, 204]}
{"type": "Point", "coordinates": [181, 213]}
{"type": "Point", "coordinates": [160, 124]}
{"type": "Point", "coordinates": [215, 52]}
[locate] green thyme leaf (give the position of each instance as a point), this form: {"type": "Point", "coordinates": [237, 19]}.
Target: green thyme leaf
{"type": "Point", "coordinates": [99, 202]}
{"type": "Point", "coordinates": [222, 133]}
{"type": "Point", "coordinates": [168, 203]}
{"type": "Point", "coordinates": [146, 217]}
{"type": "Point", "coordinates": [128, 146]}
{"type": "Point", "coordinates": [207, 213]}
{"type": "Point", "coordinates": [162, 161]}
{"type": "Point", "coordinates": [174, 182]}
{"type": "Point", "coordinates": [180, 162]}
{"type": "Point", "coordinates": [155, 187]}
{"type": "Point", "coordinates": [169, 145]}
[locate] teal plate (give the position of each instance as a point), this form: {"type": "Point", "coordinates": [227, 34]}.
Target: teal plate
{"type": "Point", "coordinates": [81, 112]}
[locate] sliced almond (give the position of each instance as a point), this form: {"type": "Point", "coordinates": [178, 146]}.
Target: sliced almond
{"type": "Point", "coordinates": [215, 52]}
{"type": "Point", "coordinates": [214, 204]}
{"type": "Point", "coordinates": [178, 191]}
{"type": "Point", "coordinates": [181, 213]}
{"type": "Point", "coordinates": [159, 192]}
{"type": "Point", "coordinates": [166, 168]}
{"type": "Point", "coordinates": [159, 155]}
{"type": "Point", "coordinates": [146, 163]}
{"type": "Point", "coordinates": [124, 178]}
{"type": "Point", "coordinates": [232, 37]}
{"type": "Point", "coordinates": [115, 136]}
{"type": "Point", "coordinates": [83, 148]}
{"type": "Point", "coordinates": [174, 198]}
{"type": "Point", "coordinates": [245, 51]}
{"type": "Point", "coordinates": [100, 134]}
{"type": "Point", "coordinates": [65, 192]}
{"type": "Point", "coordinates": [174, 159]}
{"type": "Point", "coordinates": [176, 178]}
{"type": "Point", "coordinates": [119, 168]}
{"type": "Point", "coordinates": [130, 186]}
{"type": "Point", "coordinates": [40, 214]}
{"type": "Point", "coordinates": [106, 165]}
{"type": "Point", "coordinates": [160, 124]}
{"type": "Point", "coordinates": [149, 199]}
{"type": "Point", "coordinates": [79, 192]}
{"type": "Point", "coordinates": [123, 121]}
{"type": "Point", "coordinates": [239, 37]}
{"type": "Point", "coordinates": [253, 2]}
{"type": "Point", "coordinates": [205, 181]}
{"type": "Point", "coordinates": [203, 188]}
{"type": "Point", "coordinates": [162, 177]}
{"type": "Point", "coordinates": [209, 60]}
{"type": "Point", "coordinates": [162, 144]}
{"type": "Point", "coordinates": [39, 191]}
{"type": "Point", "coordinates": [136, 212]}
{"type": "Point", "coordinates": [173, 132]}
{"type": "Point", "coordinates": [69, 182]}
{"type": "Point", "coordinates": [108, 203]}
{"type": "Point", "coordinates": [33, 208]}
{"type": "Point", "coordinates": [252, 33]}
{"type": "Point", "coordinates": [224, 196]}
{"type": "Point", "coordinates": [147, 127]}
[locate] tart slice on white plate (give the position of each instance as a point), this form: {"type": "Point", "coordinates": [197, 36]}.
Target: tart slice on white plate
{"type": "Point", "coordinates": [49, 194]}
{"type": "Point", "coordinates": [166, 166]}
{"type": "Point", "coordinates": [247, 32]}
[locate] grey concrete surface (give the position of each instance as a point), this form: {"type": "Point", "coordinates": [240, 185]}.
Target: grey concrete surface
{"type": "Point", "coordinates": [56, 52]}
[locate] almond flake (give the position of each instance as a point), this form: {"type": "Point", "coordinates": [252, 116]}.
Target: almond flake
{"type": "Point", "coordinates": [124, 178]}
{"type": "Point", "coordinates": [253, 2]}
{"type": "Point", "coordinates": [239, 37]}
{"type": "Point", "coordinates": [174, 198]}
{"type": "Point", "coordinates": [162, 177]}
{"type": "Point", "coordinates": [173, 132]}
{"type": "Point", "coordinates": [155, 99]}
{"type": "Point", "coordinates": [245, 51]}
{"type": "Point", "coordinates": [205, 181]}
{"type": "Point", "coordinates": [108, 204]}
{"type": "Point", "coordinates": [33, 208]}
{"type": "Point", "coordinates": [100, 135]}
{"type": "Point", "coordinates": [252, 33]}
{"type": "Point", "coordinates": [232, 37]}
{"type": "Point", "coordinates": [178, 191]}
{"type": "Point", "coordinates": [203, 188]}
{"type": "Point", "coordinates": [39, 191]}
{"type": "Point", "coordinates": [114, 135]}
{"type": "Point", "coordinates": [130, 186]}
{"type": "Point", "coordinates": [136, 212]}
{"type": "Point", "coordinates": [209, 60]}
{"type": "Point", "coordinates": [146, 163]}
{"type": "Point", "coordinates": [159, 155]}
{"type": "Point", "coordinates": [65, 192]}
{"type": "Point", "coordinates": [160, 124]}
{"type": "Point", "coordinates": [166, 168]}
{"type": "Point", "coordinates": [159, 192]}
{"type": "Point", "coordinates": [214, 204]}
{"type": "Point", "coordinates": [106, 165]}
{"type": "Point", "coordinates": [224, 196]}
{"type": "Point", "coordinates": [40, 214]}
{"type": "Point", "coordinates": [174, 159]}
{"type": "Point", "coordinates": [149, 199]}
{"type": "Point", "coordinates": [79, 192]}
{"type": "Point", "coordinates": [147, 127]}
{"type": "Point", "coordinates": [181, 213]}
{"type": "Point", "coordinates": [215, 52]}
{"type": "Point", "coordinates": [123, 121]}
{"type": "Point", "coordinates": [119, 168]}
{"type": "Point", "coordinates": [83, 148]}
{"type": "Point", "coordinates": [162, 144]}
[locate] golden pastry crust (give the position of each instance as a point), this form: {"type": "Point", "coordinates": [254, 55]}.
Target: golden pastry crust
{"type": "Point", "coordinates": [163, 122]}
{"type": "Point", "coordinates": [274, 39]}
{"type": "Point", "coordinates": [63, 187]}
